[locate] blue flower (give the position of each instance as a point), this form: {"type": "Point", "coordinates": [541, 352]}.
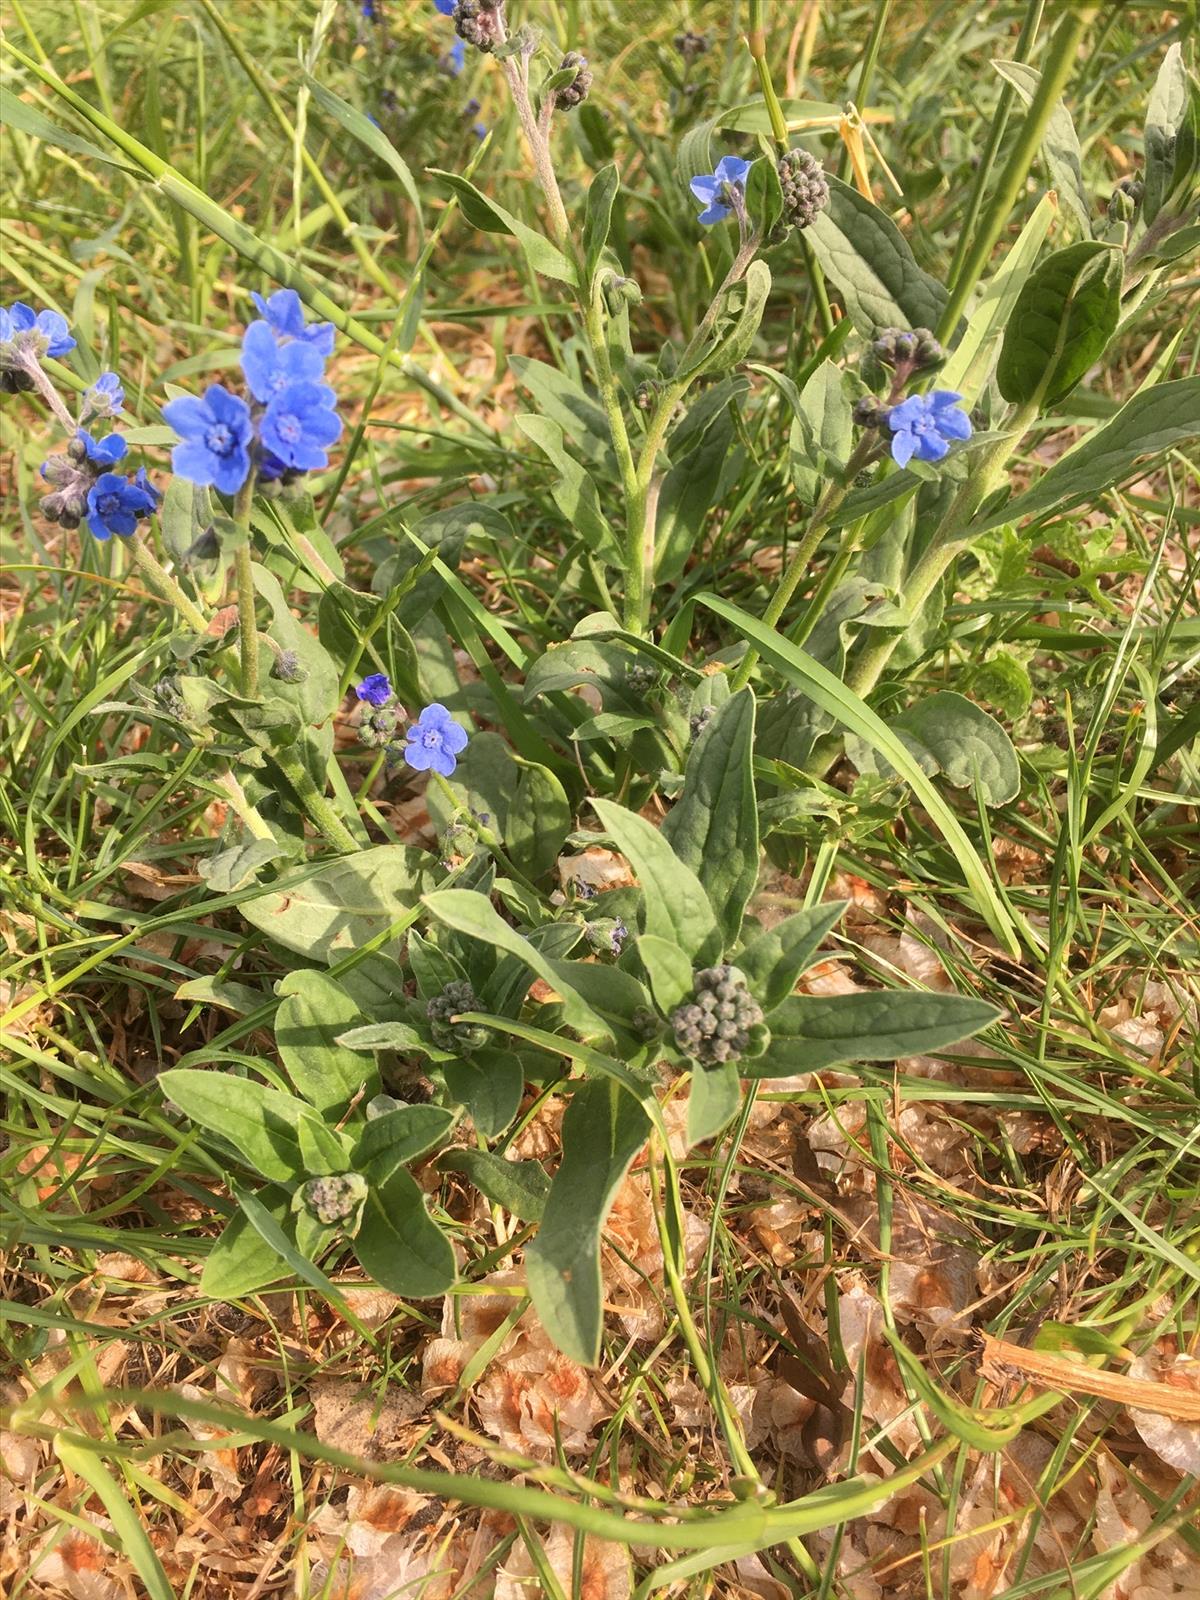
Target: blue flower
{"type": "Point", "coordinates": [286, 315]}
{"type": "Point", "coordinates": [924, 424]}
{"type": "Point", "coordinates": [375, 689]}
{"type": "Point", "coordinates": [270, 366]}
{"type": "Point", "coordinates": [455, 58]}
{"type": "Point", "coordinates": [435, 741]}
{"type": "Point", "coordinates": [104, 452]}
{"type": "Point", "coordinates": [446, 7]}
{"type": "Point", "coordinates": [114, 504]}
{"type": "Point", "coordinates": [709, 190]}
{"type": "Point", "coordinates": [297, 425]}
{"type": "Point", "coordinates": [216, 434]}
{"type": "Point", "coordinates": [41, 333]}
{"type": "Point", "coordinates": [105, 397]}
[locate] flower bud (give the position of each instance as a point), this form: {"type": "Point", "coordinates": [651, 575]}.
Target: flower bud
{"type": "Point", "coordinates": [460, 1036]}
{"type": "Point", "coordinates": [805, 191]}
{"type": "Point", "coordinates": [333, 1199]}
{"type": "Point", "coordinates": [480, 22]}
{"type": "Point", "coordinates": [576, 92]}
{"type": "Point", "coordinates": [288, 669]}
{"type": "Point", "coordinates": [619, 292]}
{"type": "Point", "coordinates": [691, 46]}
{"type": "Point", "coordinates": [1126, 198]}
{"type": "Point", "coordinates": [869, 412]}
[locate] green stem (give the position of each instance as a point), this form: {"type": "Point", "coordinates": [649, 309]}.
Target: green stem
{"type": "Point", "coordinates": [244, 575]}
{"type": "Point", "coordinates": [966, 232]}
{"type": "Point", "coordinates": [1059, 61]}
{"type": "Point", "coordinates": [756, 39]}
{"type": "Point", "coordinates": [318, 807]}
{"type": "Point", "coordinates": [806, 549]}
{"type": "Point", "coordinates": [164, 584]}
{"type": "Point", "coordinates": [866, 71]}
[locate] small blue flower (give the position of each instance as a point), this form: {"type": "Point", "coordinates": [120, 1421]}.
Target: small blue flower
{"type": "Point", "coordinates": [40, 332]}
{"type": "Point", "coordinates": [446, 7]}
{"type": "Point", "coordinates": [375, 689]}
{"type": "Point", "coordinates": [286, 315]}
{"type": "Point", "coordinates": [216, 434]}
{"type": "Point", "coordinates": [435, 741]}
{"type": "Point", "coordinates": [105, 397]}
{"type": "Point", "coordinates": [297, 425]}
{"type": "Point", "coordinates": [103, 452]}
{"type": "Point", "coordinates": [270, 366]}
{"type": "Point", "coordinates": [710, 190]}
{"type": "Point", "coordinates": [455, 58]}
{"type": "Point", "coordinates": [114, 504]}
{"type": "Point", "coordinates": [479, 129]}
{"type": "Point", "coordinates": [924, 425]}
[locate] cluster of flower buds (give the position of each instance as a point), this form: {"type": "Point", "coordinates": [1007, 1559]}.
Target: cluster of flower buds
{"type": "Point", "coordinates": [691, 46]}
{"type": "Point", "coordinates": [1126, 198]}
{"type": "Point", "coordinates": [805, 190]}
{"type": "Point", "coordinates": [464, 1037]}
{"type": "Point", "coordinates": [576, 92]}
{"type": "Point", "coordinates": [334, 1199]}
{"type": "Point", "coordinates": [480, 22]}
{"type": "Point", "coordinates": [606, 936]}
{"type": "Point", "coordinates": [83, 485]}
{"type": "Point", "coordinates": [904, 351]}
{"type": "Point", "coordinates": [722, 1022]}
{"type": "Point", "coordinates": [619, 292]}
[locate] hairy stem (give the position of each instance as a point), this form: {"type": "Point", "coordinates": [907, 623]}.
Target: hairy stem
{"type": "Point", "coordinates": [244, 576]}
{"type": "Point", "coordinates": [318, 807]}
{"type": "Point", "coordinates": [238, 799]}
{"type": "Point", "coordinates": [164, 585]}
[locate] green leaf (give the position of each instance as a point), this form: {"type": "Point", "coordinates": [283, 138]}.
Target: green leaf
{"type": "Point", "coordinates": [603, 1130]}
{"type": "Point", "coordinates": [676, 906]}
{"type": "Point", "coordinates": [489, 217]}
{"type": "Point", "coordinates": [602, 192]}
{"type": "Point", "coordinates": [386, 1036]}
{"type": "Point", "coordinates": [15, 113]}
{"type": "Point", "coordinates": [257, 1121]}
{"type": "Point", "coordinates": [521, 1187]}
{"type": "Point", "coordinates": [950, 734]}
{"type": "Point", "coordinates": [775, 958]}
{"type": "Point", "coordinates": [277, 1237]}
{"type": "Point", "coordinates": [83, 1461]}
{"type": "Point", "coordinates": [346, 902]}
{"type": "Point", "coordinates": [699, 447]}
{"type": "Point", "coordinates": [575, 492]}
{"type": "Point", "coordinates": [1164, 115]}
{"type": "Point", "coordinates": [861, 249]}
{"type": "Point", "coordinates": [368, 133]}
{"type": "Point", "coordinates": [242, 1261]}
{"type": "Point", "coordinates": [713, 827]}
{"type": "Point", "coordinates": [315, 1009]}
{"type": "Point", "coordinates": [736, 327]}
{"type": "Point", "coordinates": [323, 1151]}
{"type": "Point", "coordinates": [669, 971]}
{"type": "Point", "coordinates": [810, 1032]}
{"type": "Point", "coordinates": [399, 1243]}
{"type": "Point", "coordinates": [853, 713]}
{"type": "Point", "coordinates": [969, 365]}
{"type": "Point", "coordinates": [1159, 418]}
{"type": "Point", "coordinates": [316, 698]}
{"type": "Point", "coordinates": [1064, 317]}
{"type": "Point", "coordinates": [490, 1084]}
{"type": "Point", "coordinates": [399, 1136]}
{"type": "Point", "coordinates": [473, 914]}
{"type": "Point", "coordinates": [228, 870]}
{"type": "Point", "coordinates": [1060, 143]}
{"type": "Point", "coordinates": [713, 1099]}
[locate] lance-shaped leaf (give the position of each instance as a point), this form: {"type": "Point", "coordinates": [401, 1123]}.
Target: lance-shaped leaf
{"type": "Point", "coordinates": [713, 827]}
{"type": "Point", "coordinates": [809, 1032]}
{"type": "Point", "coordinates": [1060, 142]}
{"type": "Point", "coordinates": [315, 1009]}
{"type": "Point", "coordinates": [259, 1123]}
{"type": "Point", "coordinates": [603, 1129]}
{"type": "Point", "coordinates": [863, 251]}
{"type": "Point", "coordinates": [489, 217]}
{"type": "Point", "coordinates": [1063, 319]}
{"type": "Point", "coordinates": [521, 1187]}
{"type": "Point", "coordinates": [398, 1242]}
{"type": "Point", "coordinates": [774, 959]}
{"type": "Point", "coordinates": [713, 1099]}
{"type": "Point", "coordinates": [676, 906]}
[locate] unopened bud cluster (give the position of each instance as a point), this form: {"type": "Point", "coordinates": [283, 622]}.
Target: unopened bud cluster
{"type": "Point", "coordinates": [717, 1024]}
{"type": "Point", "coordinates": [909, 351]}
{"type": "Point", "coordinates": [691, 46]}
{"type": "Point", "coordinates": [334, 1199]}
{"type": "Point", "coordinates": [462, 1036]}
{"type": "Point", "coordinates": [1126, 198]}
{"type": "Point", "coordinates": [576, 92]}
{"type": "Point", "coordinates": [805, 191]}
{"type": "Point", "coordinates": [378, 726]}
{"type": "Point", "coordinates": [480, 22]}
